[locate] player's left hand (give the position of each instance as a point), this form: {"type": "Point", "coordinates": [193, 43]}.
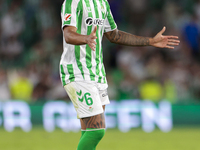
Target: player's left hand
{"type": "Point", "coordinates": [163, 41]}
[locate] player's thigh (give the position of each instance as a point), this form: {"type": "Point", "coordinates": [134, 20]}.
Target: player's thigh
{"type": "Point", "coordinates": [85, 98]}
{"type": "Point", "coordinates": [100, 122]}
{"type": "Point", "coordinates": [83, 126]}
{"type": "Point", "coordinates": [97, 121]}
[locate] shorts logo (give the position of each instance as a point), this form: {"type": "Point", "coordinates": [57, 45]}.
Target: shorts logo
{"type": "Point", "coordinates": [91, 109]}
{"type": "Point", "coordinates": [67, 17]}
{"type": "Point", "coordinates": [90, 21]}
{"type": "Point", "coordinates": [105, 93]}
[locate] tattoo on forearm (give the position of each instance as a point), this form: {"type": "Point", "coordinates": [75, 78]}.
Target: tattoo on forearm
{"type": "Point", "coordinates": [97, 121]}
{"type": "Point", "coordinates": [124, 38]}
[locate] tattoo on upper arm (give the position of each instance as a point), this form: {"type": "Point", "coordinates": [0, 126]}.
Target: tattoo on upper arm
{"type": "Point", "coordinates": [97, 121]}
{"type": "Point", "coordinates": [124, 38]}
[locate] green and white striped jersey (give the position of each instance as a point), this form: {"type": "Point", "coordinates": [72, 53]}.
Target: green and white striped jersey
{"type": "Point", "coordinates": [79, 62]}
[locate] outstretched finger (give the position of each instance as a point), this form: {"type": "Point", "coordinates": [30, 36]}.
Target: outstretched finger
{"type": "Point", "coordinates": [172, 37]}
{"type": "Point", "coordinates": [173, 44]}
{"type": "Point", "coordinates": [93, 47]}
{"type": "Point", "coordinates": [170, 47]}
{"type": "Point", "coordinates": [94, 30]}
{"type": "Point", "coordinates": [163, 30]}
{"type": "Point", "coordinates": [95, 43]}
{"type": "Point", "coordinates": [174, 41]}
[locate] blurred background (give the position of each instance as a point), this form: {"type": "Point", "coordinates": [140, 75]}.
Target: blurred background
{"type": "Point", "coordinates": [31, 47]}
{"type": "Point", "coordinates": [30, 87]}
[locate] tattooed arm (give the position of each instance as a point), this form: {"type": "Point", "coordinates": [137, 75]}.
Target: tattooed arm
{"type": "Point", "coordinates": [123, 38]}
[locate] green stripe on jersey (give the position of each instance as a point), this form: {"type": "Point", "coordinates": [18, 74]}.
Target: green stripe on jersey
{"type": "Point", "coordinates": [110, 17]}
{"type": "Point", "coordinates": [98, 44]}
{"type": "Point", "coordinates": [62, 75]}
{"type": "Point", "coordinates": [88, 49]}
{"type": "Point", "coordinates": [70, 69]}
{"type": "Point", "coordinates": [77, 47]}
{"type": "Point", "coordinates": [68, 9]}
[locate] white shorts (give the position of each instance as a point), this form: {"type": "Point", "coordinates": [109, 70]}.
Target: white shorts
{"type": "Point", "coordinates": [87, 97]}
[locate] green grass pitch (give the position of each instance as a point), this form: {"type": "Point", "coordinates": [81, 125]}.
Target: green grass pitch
{"type": "Point", "coordinates": [38, 139]}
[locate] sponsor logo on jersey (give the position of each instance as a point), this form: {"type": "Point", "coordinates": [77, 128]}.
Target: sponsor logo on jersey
{"type": "Point", "coordinates": [67, 17]}
{"type": "Point", "coordinates": [90, 21]}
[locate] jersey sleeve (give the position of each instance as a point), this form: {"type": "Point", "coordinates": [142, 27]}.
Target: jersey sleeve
{"type": "Point", "coordinates": [68, 13]}
{"type": "Point", "coordinates": [110, 24]}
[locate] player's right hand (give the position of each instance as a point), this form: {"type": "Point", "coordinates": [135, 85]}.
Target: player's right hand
{"type": "Point", "coordinates": [91, 39]}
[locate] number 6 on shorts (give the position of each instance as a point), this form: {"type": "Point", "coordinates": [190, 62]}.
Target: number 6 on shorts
{"type": "Point", "coordinates": [88, 99]}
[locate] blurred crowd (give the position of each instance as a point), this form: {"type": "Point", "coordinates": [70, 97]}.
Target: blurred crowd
{"type": "Point", "coordinates": [31, 47]}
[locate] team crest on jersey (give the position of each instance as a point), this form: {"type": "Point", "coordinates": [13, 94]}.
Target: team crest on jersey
{"type": "Point", "coordinates": [67, 17]}
{"type": "Point", "coordinates": [90, 21]}
{"type": "Point", "coordinates": [102, 9]}
{"type": "Point", "coordinates": [89, 9]}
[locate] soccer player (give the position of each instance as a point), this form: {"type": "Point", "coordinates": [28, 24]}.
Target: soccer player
{"type": "Point", "coordinates": [84, 22]}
